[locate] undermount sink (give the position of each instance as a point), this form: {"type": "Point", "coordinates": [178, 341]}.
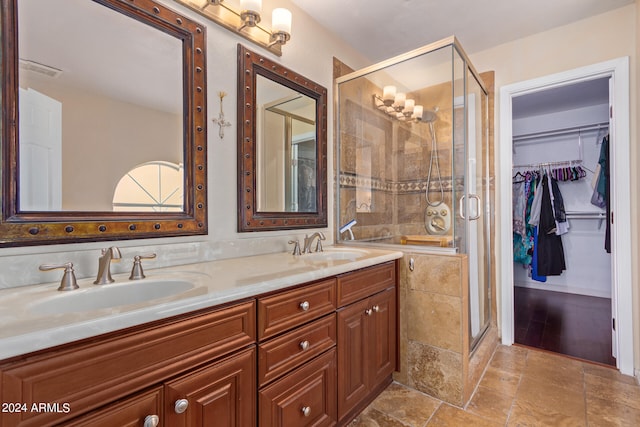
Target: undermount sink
{"type": "Point", "coordinates": [97, 297]}
{"type": "Point", "coordinates": [336, 254]}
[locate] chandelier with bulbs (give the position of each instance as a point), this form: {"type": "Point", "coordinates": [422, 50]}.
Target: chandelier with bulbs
{"type": "Point", "coordinates": [396, 105]}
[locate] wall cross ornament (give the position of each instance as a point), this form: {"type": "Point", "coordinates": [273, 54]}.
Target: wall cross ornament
{"type": "Point", "coordinates": [220, 121]}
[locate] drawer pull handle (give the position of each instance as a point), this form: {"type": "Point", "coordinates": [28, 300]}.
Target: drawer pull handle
{"type": "Point", "coordinates": [306, 411]}
{"type": "Point", "coordinates": [181, 405]}
{"type": "Point", "coordinates": [304, 345]}
{"type": "Point", "coordinates": [368, 312]}
{"type": "Point", "coordinates": [151, 421]}
{"type": "Point", "coordinates": [304, 306]}
{"type": "Point", "coordinates": [376, 308]}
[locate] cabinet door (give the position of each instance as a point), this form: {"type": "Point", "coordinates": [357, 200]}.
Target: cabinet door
{"type": "Point", "coordinates": [305, 397]}
{"type": "Point", "coordinates": [382, 337]}
{"type": "Point", "coordinates": [352, 356]}
{"type": "Point", "coordinates": [221, 394]}
{"type": "Point", "coordinates": [135, 411]}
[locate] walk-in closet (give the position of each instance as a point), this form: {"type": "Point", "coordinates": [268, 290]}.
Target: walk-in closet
{"type": "Point", "coordinates": [562, 272]}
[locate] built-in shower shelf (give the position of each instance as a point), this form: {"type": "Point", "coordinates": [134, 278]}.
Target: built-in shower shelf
{"type": "Point", "coordinates": [442, 241]}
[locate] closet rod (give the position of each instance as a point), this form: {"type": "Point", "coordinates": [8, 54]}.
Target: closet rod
{"type": "Point", "coordinates": [562, 163]}
{"type": "Point", "coordinates": [558, 132]}
{"type": "Point", "coordinates": [586, 215]}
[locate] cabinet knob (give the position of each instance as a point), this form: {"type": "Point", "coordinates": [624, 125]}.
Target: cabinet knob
{"type": "Point", "coordinates": [304, 345]}
{"type": "Point", "coordinates": [151, 421]}
{"type": "Point", "coordinates": [181, 405]}
{"type": "Point", "coordinates": [306, 411]}
{"type": "Point", "coordinates": [376, 308]}
{"type": "Point", "coordinates": [304, 306]}
{"type": "Point", "coordinates": [368, 312]}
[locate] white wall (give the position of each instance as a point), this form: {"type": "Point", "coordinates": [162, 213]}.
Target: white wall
{"type": "Point", "coordinates": [310, 52]}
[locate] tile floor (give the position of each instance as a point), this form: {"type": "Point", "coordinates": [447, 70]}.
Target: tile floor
{"type": "Point", "coordinates": [520, 387]}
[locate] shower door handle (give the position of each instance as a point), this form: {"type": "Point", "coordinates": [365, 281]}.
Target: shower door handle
{"type": "Point", "coordinates": [462, 205]}
{"type": "Point", "coordinates": [478, 204]}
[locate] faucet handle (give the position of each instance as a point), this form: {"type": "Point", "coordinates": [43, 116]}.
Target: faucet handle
{"type": "Point", "coordinates": [68, 282]}
{"type": "Point", "coordinates": [296, 247]}
{"type": "Point", "coordinates": [321, 237]}
{"type": "Point", "coordinates": [136, 271]}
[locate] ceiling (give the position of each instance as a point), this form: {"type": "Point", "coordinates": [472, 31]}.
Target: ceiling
{"type": "Point", "coordinates": [381, 29]}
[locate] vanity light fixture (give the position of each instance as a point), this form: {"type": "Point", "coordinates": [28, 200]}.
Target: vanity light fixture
{"type": "Point", "coordinates": [397, 106]}
{"type": "Point", "coordinates": [245, 19]}
{"type": "Point", "coordinates": [250, 13]}
{"type": "Point", "coordinates": [281, 26]}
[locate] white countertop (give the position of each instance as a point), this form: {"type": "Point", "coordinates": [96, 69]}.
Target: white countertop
{"type": "Point", "coordinates": [36, 317]}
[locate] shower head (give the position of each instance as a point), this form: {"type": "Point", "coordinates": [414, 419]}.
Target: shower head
{"type": "Point", "coordinates": [429, 116]}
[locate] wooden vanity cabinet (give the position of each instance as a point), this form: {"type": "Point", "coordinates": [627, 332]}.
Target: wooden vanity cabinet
{"type": "Point", "coordinates": [106, 374]}
{"type": "Point", "coordinates": [366, 338]}
{"type": "Point", "coordinates": [313, 355]}
{"type": "Point", "coordinates": [297, 357]}
{"type": "Point", "coordinates": [221, 394]}
{"type": "Point", "coordinates": [130, 412]}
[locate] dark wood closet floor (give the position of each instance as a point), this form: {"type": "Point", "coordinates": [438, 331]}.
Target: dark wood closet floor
{"type": "Point", "coordinates": [575, 325]}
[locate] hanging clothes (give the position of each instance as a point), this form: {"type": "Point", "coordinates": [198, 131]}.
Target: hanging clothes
{"type": "Point", "coordinates": [534, 262]}
{"type": "Point", "coordinates": [550, 252]}
{"type": "Point", "coordinates": [559, 213]}
{"type": "Point", "coordinates": [523, 241]}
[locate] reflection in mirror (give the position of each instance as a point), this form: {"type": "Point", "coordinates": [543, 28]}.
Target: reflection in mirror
{"type": "Point", "coordinates": [90, 91]}
{"type": "Point", "coordinates": [85, 120]}
{"type": "Point", "coordinates": [285, 149]}
{"type": "Point", "coordinates": [151, 187]}
{"type": "Point", "coordinates": [282, 147]}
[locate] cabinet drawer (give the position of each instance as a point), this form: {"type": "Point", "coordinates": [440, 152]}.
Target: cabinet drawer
{"type": "Point", "coordinates": [280, 312]}
{"type": "Point", "coordinates": [130, 412]}
{"type": "Point", "coordinates": [88, 375]}
{"type": "Point", "coordinates": [286, 352]}
{"type": "Point", "coordinates": [363, 283]}
{"type": "Point", "coordinates": [305, 397]}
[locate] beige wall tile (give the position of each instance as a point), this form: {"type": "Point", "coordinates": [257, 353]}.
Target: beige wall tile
{"type": "Point", "coordinates": [434, 319]}
{"type": "Point", "coordinates": [434, 273]}
{"type": "Point", "coordinates": [436, 372]}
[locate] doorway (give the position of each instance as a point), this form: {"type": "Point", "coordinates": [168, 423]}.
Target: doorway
{"type": "Point", "coordinates": [621, 293]}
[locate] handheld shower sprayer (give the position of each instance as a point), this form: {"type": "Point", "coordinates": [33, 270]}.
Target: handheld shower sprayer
{"type": "Point", "coordinates": [347, 227]}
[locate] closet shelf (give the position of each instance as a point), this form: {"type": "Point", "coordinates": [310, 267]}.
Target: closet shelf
{"type": "Point", "coordinates": [520, 139]}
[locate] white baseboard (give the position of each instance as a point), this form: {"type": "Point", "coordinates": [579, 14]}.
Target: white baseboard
{"type": "Point", "coordinates": [562, 288]}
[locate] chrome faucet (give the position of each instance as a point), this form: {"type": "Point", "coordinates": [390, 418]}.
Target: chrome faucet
{"type": "Point", "coordinates": [308, 240]}
{"type": "Point", "coordinates": [104, 265]}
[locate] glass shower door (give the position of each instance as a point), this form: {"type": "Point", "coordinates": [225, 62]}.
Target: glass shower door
{"type": "Point", "coordinates": [472, 209]}
{"type": "Point", "coordinates": [476, 208]}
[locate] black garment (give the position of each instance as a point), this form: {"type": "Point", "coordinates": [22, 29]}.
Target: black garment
{"type": "Point", "coordinates": [604, 165]}
{"type": "Point", "coordinates": [558, 202]}
{"type": "Point", "coordinates": [550, 250]}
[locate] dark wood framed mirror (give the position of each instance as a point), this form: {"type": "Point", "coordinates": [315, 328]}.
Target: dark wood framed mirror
{"type": "Point", "coordinates": [124, 84]}
{"type": "Point", "coordinates": [282, 147]}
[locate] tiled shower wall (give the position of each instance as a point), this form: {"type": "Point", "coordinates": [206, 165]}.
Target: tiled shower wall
{"type": "Point", "coordinates": [435, 353]}
{"type": "Point", "coordinates": [384, 163]}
